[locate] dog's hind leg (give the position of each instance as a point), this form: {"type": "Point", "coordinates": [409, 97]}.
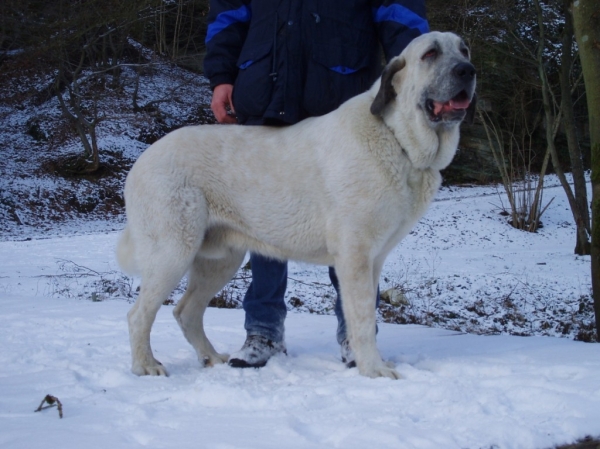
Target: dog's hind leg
{"type": "Point", "coordinates": [156, 285]}
{"type": "Point", "coordinates": [206, 278]}
{"type": "Point", "coordinates": [166, 225]}
{"type": "Point", "coordinates": [358, 283]}
{"type": "Point", "coordinates": [163, 262]}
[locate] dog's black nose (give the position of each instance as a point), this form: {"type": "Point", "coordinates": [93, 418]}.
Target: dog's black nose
{"type": "Point", "coordinates": [464, 71]}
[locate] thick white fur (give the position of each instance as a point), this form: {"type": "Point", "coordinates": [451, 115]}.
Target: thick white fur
{"type": "Point", "coordinates": [341, 190]}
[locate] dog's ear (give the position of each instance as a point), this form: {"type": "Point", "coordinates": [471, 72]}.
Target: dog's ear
{"type": "Point", "coordinates": [386, 90]}
{"type": "Point", "coordinates": [471, 110]}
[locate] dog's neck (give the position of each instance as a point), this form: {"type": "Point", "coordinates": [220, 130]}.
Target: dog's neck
{"type": "Point", "coordinates": [427, 149]}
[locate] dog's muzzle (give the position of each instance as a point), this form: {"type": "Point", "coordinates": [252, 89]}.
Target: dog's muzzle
{"type": "Point", "coordinates": [455, 109]}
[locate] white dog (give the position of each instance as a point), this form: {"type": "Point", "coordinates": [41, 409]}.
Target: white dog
{"type": "Point", "coordinates": [341, 190]}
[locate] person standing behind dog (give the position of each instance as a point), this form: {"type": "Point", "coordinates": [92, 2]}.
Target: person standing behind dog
{"type": "Point", "coordinates": [276, 63]}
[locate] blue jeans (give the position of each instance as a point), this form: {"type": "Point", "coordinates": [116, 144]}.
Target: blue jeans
{"type": "Point", "coordinates": [264, 301]}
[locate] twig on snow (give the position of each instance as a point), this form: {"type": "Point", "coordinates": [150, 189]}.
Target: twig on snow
{"type": "Point", "coordinates": [52, 401]}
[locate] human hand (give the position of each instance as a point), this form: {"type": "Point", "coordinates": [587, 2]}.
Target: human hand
{"type": "Point", "coordinates": [221, 100]}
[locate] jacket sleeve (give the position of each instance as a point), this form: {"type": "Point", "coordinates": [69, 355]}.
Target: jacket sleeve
{"type": "Point", "coordinates": [228, 22]}
{"type": "Point", "coordinates": [398, 22]}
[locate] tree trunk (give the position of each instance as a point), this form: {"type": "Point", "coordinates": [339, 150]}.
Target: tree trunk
{"type": "Point", "coordinates": [586, 18]}
{"type": "Point", "coordinates": [582, 246]}
{"type": "Point", "coordinates": [551, 120]}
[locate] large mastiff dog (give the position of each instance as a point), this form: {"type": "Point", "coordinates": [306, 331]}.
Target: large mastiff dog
{"type": "Point", "coordinates": [342, 190]}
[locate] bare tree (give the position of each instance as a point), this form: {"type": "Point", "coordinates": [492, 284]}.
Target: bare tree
{"type": "Point", "coordinates": [586, 18]}
{"type": "Point", "coordinates": [514, 160]}
{"type": "Point", "coordinates": [567, 86]}
{"type": "Point", "coordinates": [87, 48]}
{"type": "Point", "coordinates": [552, 112]}
{"type": "Point", "coordinates": [84, 121]}
{"type": "Point", "coordinates": [528, 77]}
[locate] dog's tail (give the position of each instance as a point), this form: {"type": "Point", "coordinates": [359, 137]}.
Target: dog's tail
{"type": "Point", "coordinates": [126, 252]}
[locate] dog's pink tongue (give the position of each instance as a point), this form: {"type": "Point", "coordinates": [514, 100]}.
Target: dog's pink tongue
{"type": "Point", "coordinates": [439, 107]}
{"type": "Point", "coordinates": [459, 104]}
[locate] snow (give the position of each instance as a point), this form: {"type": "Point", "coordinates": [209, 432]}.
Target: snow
{"type": "Point", "coordinates": [63, 332]}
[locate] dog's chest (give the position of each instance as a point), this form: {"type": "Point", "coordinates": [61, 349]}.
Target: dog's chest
{"type": "Point", "coordinates": [415, 189]}
{"type": "Point", "coordinates": [409, 201]}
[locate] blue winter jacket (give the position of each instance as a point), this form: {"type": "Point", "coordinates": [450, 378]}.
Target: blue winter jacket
{"type": "Point", "coordinates": [291, 59]}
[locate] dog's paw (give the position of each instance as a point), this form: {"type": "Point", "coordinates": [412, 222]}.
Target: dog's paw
{"type": "Point", "coordinates": [149, 369]}
{"type": "Point", "coordinates": [215, 359]}
{"type": "Point", "coordinates": [384, 369]}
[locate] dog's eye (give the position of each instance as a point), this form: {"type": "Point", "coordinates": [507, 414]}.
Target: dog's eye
{"type": "Point", "coordinates": [465, 52]}
{"type": "Point", "coordinates": [430, 54]}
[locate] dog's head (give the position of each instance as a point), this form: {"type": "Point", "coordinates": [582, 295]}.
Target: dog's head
{"type": "Point", "coordinates": [424, 94]}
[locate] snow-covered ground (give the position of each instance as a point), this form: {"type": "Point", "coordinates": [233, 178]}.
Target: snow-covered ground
{"type": "Point", "coordinates": [463, 269]}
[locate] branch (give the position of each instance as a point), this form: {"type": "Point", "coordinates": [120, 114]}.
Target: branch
{"type": "Point", "coordinates": [52, 401]}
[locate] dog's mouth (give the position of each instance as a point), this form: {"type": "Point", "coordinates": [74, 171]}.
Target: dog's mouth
{"type": "Point", "coordinates": [454, 109]}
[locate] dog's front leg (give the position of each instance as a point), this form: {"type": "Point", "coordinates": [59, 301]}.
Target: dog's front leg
{"type": "Point", "coordinates": [358, 289]}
